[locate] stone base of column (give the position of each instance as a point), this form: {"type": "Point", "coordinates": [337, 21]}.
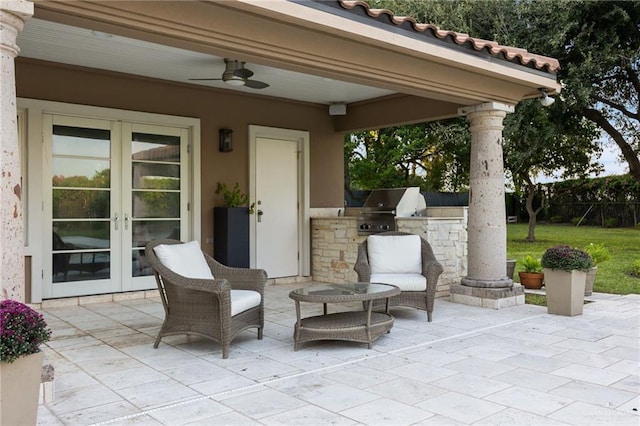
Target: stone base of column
{"type": "Point", "coordinates": [492, 298]}
{"type": "Point", "coordinates": [501, 283]}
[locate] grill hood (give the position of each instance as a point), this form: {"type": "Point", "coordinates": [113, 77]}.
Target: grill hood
{"type": "Point", "coordinates": [400, 202]}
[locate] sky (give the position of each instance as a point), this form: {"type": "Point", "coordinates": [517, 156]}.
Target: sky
{"type": "Point", "coordinates": [611, 162]}
{"type": "Point", "coordinates": [609, 158]}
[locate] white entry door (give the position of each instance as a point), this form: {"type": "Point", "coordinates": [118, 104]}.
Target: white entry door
{"type": "Point", "coordinates": [111, 187]}
{"type": "Point", "coordinates": [279, 191]}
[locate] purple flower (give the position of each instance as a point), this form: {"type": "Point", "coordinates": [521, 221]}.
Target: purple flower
{"type": "Point", "coordinates": [22, 330]}
{"type": "Point", "coordinates": [566, 258]}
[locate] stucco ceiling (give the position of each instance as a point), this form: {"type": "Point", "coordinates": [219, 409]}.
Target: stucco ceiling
{"type": "Point", "coordinates": [65, 44]}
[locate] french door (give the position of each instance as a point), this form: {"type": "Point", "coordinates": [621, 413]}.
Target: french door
{"type": "Point", "coordinates": [112, 187]}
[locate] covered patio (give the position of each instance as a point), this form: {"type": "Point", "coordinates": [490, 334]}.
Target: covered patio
{"type": "Point", "coordinates": [118, 65]}
{"type": "Point", "coordinates": [118, 77]}
{"type": "Point", "coordinates": [515, 366]}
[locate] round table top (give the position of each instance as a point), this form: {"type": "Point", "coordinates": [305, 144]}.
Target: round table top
{"type": "Point", "coordinates": [323, 293]}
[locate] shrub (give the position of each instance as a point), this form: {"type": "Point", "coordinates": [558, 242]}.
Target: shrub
{"type": "Point", "coordinates": [566, 258]}
{"type": "Point", "coordinates": [598, 253]}
{"type": "Point", "coordinates": [531, 264]}
{"type": "Point", "coordinates": [22, 330]}
{"type": "Point", "coordinates": [556, 219]}
{"type": "Point", "coordinates": [610, 222]}
{"type": "Point", "coordinates": [635, 268]}
{"type": "Point", "coordinates": [575, 220]}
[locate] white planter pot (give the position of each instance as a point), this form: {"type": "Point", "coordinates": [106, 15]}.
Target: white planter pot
{"type": "Point", "coordinates": [511, 267]}
{"type": "Point", "coordinates": [591, 278]}
{"type": "Point", "coordinates": [19, 390]}
{"type": "Point", "coordinates": [565, 291]}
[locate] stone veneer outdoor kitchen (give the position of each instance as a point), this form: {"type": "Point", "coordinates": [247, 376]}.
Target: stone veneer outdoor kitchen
{"type": "Point", "coordinates": [334, 244]}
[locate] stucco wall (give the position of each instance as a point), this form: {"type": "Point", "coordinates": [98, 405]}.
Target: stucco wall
{"type": "Point", "coordinates": [215, 108]}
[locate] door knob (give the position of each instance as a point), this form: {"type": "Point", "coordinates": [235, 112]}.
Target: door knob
{"type": "Point", "coordinates": [260, 213]}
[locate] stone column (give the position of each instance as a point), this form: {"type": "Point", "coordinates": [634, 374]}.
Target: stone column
{"type": "Point", "coordinates": [486, 283]}
{"type": "Point", "coordinates": [13, 14]}
{"type": "Point", "coordinates": [487, 227]}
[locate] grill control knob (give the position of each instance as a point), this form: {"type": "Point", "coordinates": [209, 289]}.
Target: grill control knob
{"type": "Point", "coordinates": [365, 226]}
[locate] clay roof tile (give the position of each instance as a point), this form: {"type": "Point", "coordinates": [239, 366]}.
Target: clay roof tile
{"type": "Point", "coordinates": [511, 54]}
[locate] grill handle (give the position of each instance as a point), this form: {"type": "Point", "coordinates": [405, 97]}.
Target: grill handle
{"type": "Point", "coordinates": [393, 212]}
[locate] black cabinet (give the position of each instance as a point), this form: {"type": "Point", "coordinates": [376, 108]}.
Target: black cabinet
{"type": "Point", "coordinates": [231, 236]}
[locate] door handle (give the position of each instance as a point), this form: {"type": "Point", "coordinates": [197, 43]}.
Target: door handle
{"type": "Point", "coordinates": [126, 222]}
{"type": "Point", "coordinates": [260, 213]}
{"type": "Point", "coordinates": [115, 221]}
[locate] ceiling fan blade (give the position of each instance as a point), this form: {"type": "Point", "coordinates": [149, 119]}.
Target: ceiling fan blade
{"type": "Point", "coordinates": [236, 74]}
{"type": "Point", "coordinates": [255, 84]}
{"type": "Point", "coordinates": [243, 73]}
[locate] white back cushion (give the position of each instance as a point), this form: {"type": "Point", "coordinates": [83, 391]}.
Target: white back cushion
{"type": "Point", "coordinates": [394, 254]}
{"type": "Point", "coordinates": [184, 259]}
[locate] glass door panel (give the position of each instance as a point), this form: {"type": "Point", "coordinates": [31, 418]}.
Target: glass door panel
{"type": "Point", "coordinates": [81, 170]}
{"type": "Point", "coordinates": [81, 250]}
{"type": "Point", "coordinates": [157, 156]}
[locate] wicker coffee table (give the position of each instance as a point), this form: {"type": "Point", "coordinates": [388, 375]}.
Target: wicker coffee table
{"type": "Point", "coordinates": [356, 326]}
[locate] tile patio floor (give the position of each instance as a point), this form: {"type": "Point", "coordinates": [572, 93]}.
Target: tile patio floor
{"type": "Point", "coordinates": [469, 366]}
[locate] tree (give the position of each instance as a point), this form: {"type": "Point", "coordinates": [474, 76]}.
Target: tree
{"type": "Point", "coordinates": [540, 140]}
{"type": "Point", "coordinates": [599, 59]}
{"type": "Point", "coordinates": [452, 141]}
{"type": "Point", "coordinates": [596, 42]}
{"type": "Point", "coordinates": [600, 56]}
{"type": "Point", "coordinates": [387, 158]}
{"type": "Point", "coordinates": [433, 156]}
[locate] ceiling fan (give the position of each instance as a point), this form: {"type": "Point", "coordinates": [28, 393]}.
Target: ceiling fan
{"type": "Point", "coordinates": [235, 74]}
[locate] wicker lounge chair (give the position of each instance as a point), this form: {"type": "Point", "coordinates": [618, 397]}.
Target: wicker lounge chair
{"type": "Point", "coordinates": [203, 307]}
{"type": "Point", "coordinates": [427, 267]}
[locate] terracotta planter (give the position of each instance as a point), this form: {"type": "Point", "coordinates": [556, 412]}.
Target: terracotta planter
{"type": "Point", "coordinates": [19, 390]}
{"type": "Point", "coordinates": [531, 280]}
{"type": "Point", "coordinates": [565, 291]}
{"type": "Point", "coordinates": [591, 278]}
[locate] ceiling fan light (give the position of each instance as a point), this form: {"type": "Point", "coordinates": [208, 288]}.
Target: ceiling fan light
{"type": "Point", "coordinates": [234, 82]}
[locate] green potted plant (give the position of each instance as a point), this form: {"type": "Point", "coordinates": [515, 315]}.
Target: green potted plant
{"type": "Point", "coordinates": [531, 277]}
{"type": "Point", "coordinates": [232, 197]}
{"type": "Point", "coordinates": [231, 227]}
{"type": "Point", "coordinates": [565, 271]}
{"type": "Point", "coordinates": [599, 254]}
{"type": "Point", "coordinates": [22, 331]}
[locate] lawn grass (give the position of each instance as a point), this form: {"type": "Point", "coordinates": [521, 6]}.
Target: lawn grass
{"type": "Point", "coordinates": [535, 299]}
{"type": "Point", "coordinates": [540, 299]}
{"type": "Point", "coordinates": [612, 276]}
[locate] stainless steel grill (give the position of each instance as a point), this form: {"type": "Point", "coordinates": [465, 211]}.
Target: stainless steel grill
{"type": "Point", "coordinates": [379, 212]}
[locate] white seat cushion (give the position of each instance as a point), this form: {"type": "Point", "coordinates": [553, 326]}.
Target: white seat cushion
{"type": "Point", "coordinates": [391, 254]}
{"type": "Point", "coordinates": [184, 259]}
{"type": "Point", "coordinates": [242, 300]}
{"type": "Point", "coordinates": [187, 260]}
{"type": "Point", "coordinates": [406, 282]}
